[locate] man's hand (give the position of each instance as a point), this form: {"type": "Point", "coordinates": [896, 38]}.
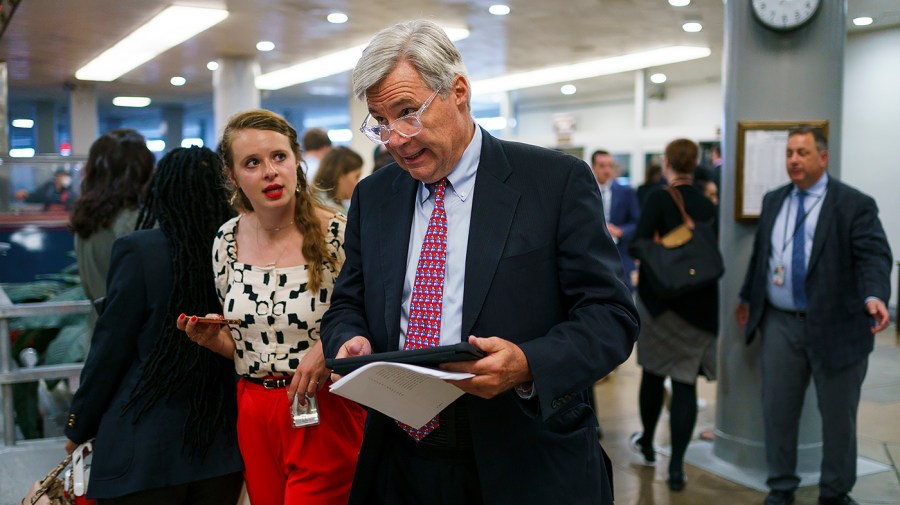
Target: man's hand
{"type": "Point", "coordinates": [614, 230]}
{"type": "Point", "coordinates": [742, 313]}
{"type": "Point", "coordinates": [356, 346]}
{"type": "Point", "coordinates": [504, 368]}
{"type": "Point", "coordinates": [879, 313]}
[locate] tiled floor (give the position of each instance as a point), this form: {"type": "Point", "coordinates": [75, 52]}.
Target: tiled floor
{"type": "Point", "coordinates": [879, 440]}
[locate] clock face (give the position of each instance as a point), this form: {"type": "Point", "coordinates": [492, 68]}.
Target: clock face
{"type": "Point", "coordinates": [784, 15]}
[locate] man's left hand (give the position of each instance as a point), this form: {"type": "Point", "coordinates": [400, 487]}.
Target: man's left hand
{"type": "Point", "coordinates": [504, 367]}
{"type": "Point", "coordinates": [879, 313]}
{"type": "Point", "coordinates": [614, 230]}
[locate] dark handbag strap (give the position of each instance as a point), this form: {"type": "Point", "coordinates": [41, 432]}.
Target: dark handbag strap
{"type": "Point", "coordinates": [679, 202]}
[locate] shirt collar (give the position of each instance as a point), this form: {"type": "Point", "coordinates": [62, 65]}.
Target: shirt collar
{"type": "Point", "coordinates": [462, 177]}
{"type": "Point", "coordinates": [817, 189]}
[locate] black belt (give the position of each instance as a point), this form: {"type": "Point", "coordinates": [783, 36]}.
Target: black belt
{"type": "Point", "coordinates": [796, 314]}
{"type": "Point", "coordinates": [270, 382]}
{"type": "Point", "coordinates": [454, 433]}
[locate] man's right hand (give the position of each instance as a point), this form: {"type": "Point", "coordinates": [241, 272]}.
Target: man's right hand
{"type": "Point", "coordinates": [742, 313]}
{"type": "Point", "coordinates": [356, 346]}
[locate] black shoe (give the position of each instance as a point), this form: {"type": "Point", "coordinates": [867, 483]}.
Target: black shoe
{"type": "Point", "coordinates": [780, 498]}
{"type": "Point", "coordinates": [676, 480]}
{"type": "Point", "coordinates": [837, 500]}
{"type": "Point", "coordinates": [647, 453]}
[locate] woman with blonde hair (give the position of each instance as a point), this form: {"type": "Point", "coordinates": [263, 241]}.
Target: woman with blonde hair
{"type": "Point", "coordinates": [275, 266]}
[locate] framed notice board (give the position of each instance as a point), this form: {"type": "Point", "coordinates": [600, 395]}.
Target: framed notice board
{"type": "Point", "coordinates": [760, 164]}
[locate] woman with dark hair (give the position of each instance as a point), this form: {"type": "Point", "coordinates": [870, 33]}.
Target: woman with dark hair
{"type": "Point", "coordinates": [275, 266]}
{"type": "Point", "coordinates": [678, 335]}
{"type": "Point", "coordinates": [161, 408]}
{"type": "Point", "coordinates": [113, 179]}
{"type": "Point", "coordinates": [338, 174]}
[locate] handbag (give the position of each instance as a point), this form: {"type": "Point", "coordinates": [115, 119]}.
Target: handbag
{"type": "Point", "coordinates": [684, 260]}
{"type": "Point", "coordinates": [66, 490]}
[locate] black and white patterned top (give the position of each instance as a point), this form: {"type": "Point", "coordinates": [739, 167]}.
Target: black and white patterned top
{"type": "Point", "coordinates": [280, 318]}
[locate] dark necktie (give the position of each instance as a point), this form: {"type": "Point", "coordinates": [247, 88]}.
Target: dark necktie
{"type": "Point", "coordinates": [424, 328]}
{"type": "Point", "coordinates": [798, 255]}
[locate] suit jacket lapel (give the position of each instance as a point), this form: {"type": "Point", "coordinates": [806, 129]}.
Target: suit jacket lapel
{"type": "Point", "coordinates": [826, 214]}
{"type": "Point", "coordinates": [395, 222]}
{"type": "Point", "coordinates": [492, 214]}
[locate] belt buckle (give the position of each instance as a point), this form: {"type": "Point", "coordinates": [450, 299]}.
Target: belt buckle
{"type": "Point", "coordinates": [275, 383]}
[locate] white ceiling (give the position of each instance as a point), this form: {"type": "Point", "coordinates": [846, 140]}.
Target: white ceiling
{"type": "Point", "coordinates": [48, 40]}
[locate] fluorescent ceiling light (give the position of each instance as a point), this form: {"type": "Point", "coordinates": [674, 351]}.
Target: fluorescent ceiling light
{"type": "Point", "coordinates": [692, 26]}
{"type": "Point", "coordinates": [588, 69]}
{"type": "Point", "coordinates": [658, 78]}
{"type": "Point", "coordinates": [492, 123]}
{"type": "Point", "coordinates": [156, 145]}
{"type": "Point", "coordinates": [178, 81]}
{"type": "Point", "coordinates": [213, 65]}
{"type": "Point", "coordinates": [192, 141]}
{"type": "Point", "coordinates": [568, 89]}
{"type": "Point", "coordinates": [679, 3]}
{"type": "Point", "coordinates": [131, 101]}
{"type": "Point", "coordinates": [499, 10]}
{"type": "Point", "coordinates": [23, 123]}
{"type": "Point", "coordinates": [22, 152]}
{"type": "Point", "coordinates": [168, 29]}
{"type": "Point", "coordinates": [326, 65]}
{"type": "Point", "coordinates": [265, 46]}
{"type": "Point", "coordinates": [340, 135]}
{"type": "Point", "coordinates": [337, 18]}
{"type": "Point", "coordinates": [863, 21]}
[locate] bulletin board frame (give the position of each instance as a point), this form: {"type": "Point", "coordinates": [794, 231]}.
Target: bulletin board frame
{"type": "Point", "coordinates": [759, 165]}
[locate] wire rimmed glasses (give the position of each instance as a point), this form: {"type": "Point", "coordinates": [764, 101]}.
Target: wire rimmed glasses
{"type": "Point", "coordinates": [407, 126]}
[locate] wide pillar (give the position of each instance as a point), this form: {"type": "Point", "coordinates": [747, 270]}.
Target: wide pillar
{"type": "Point", "coordinates": [360, 143]}
{"type": "Point", "coordinates": [234, 89]}
{"type": "Point", "coordinates": [768, 76]}
{"type": "Point", "coordinates": [83, 121]}
{"type": "Point", "coordinates": [173, 119]}
{"type": "Point", "coordinates": [45, 124]}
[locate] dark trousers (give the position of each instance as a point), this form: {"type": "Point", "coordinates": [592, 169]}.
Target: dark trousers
{"type": "Point", "coordinates": [787, 365]}
{"type": "Point", "coordinates": [223, 490]}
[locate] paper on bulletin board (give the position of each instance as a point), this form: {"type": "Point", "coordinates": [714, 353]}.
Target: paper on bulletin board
{"type": "Point", "coordinates": [764, 166]}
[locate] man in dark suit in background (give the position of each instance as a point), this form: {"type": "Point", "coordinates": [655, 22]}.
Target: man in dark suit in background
{"type": "Point", "coordinates": [524, 272]}
{"type": "Point", "coordinates": [816, 289]}
{"type": "Point", "coordinates": [620, 206]}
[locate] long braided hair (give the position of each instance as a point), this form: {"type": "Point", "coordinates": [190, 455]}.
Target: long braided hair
{"type": "Point", "coordinates": [188, 200]}
{"type": "Point", "coordinates": [305, 218]}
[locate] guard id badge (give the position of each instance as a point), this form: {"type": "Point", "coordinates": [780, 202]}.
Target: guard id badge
{"type": "Point", "coordinates": [778, 275]}
{"type": "Point", "coordinates": [304, 415]}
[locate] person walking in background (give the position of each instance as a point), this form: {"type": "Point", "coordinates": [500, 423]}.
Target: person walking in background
{"type": "Point", "coordinates": [653, 179]}
{"type": "Point", "coordinates": [509, 237]}
{"type": "Point", "coordinates": [620, 208]}
{"type": "Point", "coordinates": [275, 266]}
{"type": "Point", "coordinates": [815, 289]}
{"type": "Point", "coordinates": [113, 181]}
{"type": "Point", "coordinates": [338, 175]}
{"type": "Point", "coordinates": [161, 408]}
{"type": "Point", "coordinates": [678, 335]}
{"type": "Point", "coordinates": [316, 145]}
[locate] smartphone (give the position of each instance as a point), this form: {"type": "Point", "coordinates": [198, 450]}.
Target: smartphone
{"type": "Point", "coordinates": [215, 320]}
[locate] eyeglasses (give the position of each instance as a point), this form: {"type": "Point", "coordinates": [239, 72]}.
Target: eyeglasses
{"type": "Point", "coordinates": [407, 126]}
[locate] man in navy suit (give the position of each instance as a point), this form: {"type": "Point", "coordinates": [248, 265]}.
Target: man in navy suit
{"type": "Point", "coordinates": [530, 278]}
{"type": "Point", "coordinates": [815, 289]}
{"type": "Point", "coordinates": [620, 206]}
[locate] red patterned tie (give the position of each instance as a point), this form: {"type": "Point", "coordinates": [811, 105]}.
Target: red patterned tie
{"type": "Point", "coordinates": [424, 328]}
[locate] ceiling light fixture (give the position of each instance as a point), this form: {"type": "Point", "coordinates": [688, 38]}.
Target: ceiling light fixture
{"type": "Point", "coordinates": [692, 26]}
{"type": "Point", "coordinates": [337, 18]}
{"type": "Point", "coordinates": [213, 65]}
{"type": "Point", "coordinates": [23, 123]}
{"type": "Point", "coordinates": [499, 9]}
{"type": "Point", "coordinates": [568, 89]}
{"type": "Point", "coordinates": [169, 28]}
{"type": "Point", "coordinates": [131, 101]}
{"type": "Point", "coordinates": [265, 46]}
{"type": "Point", "coordinates": [326, 65]}
{"type": "Point", "coordinates": [679, 3]}
{"type": "Point", "coordinates": [178, 81]}
{"type": "Point", "coordinates": [863, 21]}
{"type": "Point", "coordinates": [587, 69]}
{"type": "Point", "coordinates": [658, 78]}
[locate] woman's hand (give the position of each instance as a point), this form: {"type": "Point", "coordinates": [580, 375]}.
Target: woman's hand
{"type": "Point", "coordinates": [311, 373]}
{"type": "Point", "coordinates": [215, 337]}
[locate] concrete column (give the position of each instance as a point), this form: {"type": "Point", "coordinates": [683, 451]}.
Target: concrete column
{"type": "Point", "coordinates": [234, 89]}
{"type": "Point", "coordinates": [508, 112]}
{"type": "Point", "coordinates": [45, 123]}
{"type": "Point", "coordinates": [640, 99]}
{"type": "Point", "coordinates": [83, 121]}
{"type": "Point", "coordinates": [360, 143]}
{"type": "Point", "coordinates": [173, 118]}
{"type": "Point", "coordinates": [768, 76]}
{"type": "Point", "coordinates": [4, 111]}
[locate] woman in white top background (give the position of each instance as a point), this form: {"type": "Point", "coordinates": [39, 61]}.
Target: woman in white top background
{"type": "Point", "coordinates": [275, 266]}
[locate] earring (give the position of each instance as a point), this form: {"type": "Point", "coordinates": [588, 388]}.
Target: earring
{"type": "Point", "coordinates": [299, 190]}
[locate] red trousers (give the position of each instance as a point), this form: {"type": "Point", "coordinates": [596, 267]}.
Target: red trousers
{"type": "Point", "coordinates": [286, 465]}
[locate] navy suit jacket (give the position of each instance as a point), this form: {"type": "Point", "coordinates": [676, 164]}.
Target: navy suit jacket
{"type": "Point", "coordinates": [850, 260]}
{"type": "Point", "coordinates": [624, 212]}
{"type": "Point", "coordinates": [541, 272]}
{"type": "Point", "coordinates": [133, 454]}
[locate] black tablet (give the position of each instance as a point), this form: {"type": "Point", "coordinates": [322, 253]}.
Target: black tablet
{"type": "Point", "coordinates": [429, 356]}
